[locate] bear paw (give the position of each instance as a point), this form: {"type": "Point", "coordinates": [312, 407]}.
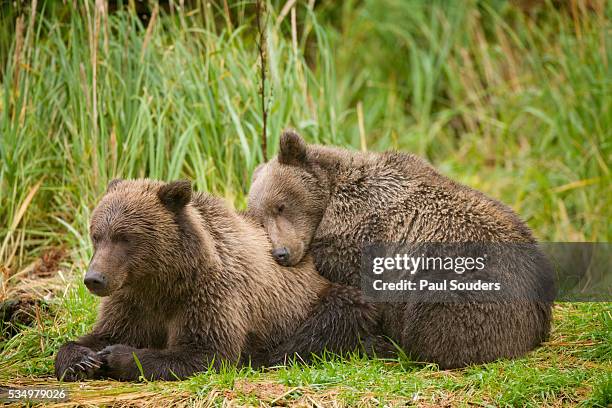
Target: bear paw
{"type": "Point", "coordinates": [118, 362]}
{"type": "Point", "coordinates": [81, 367]}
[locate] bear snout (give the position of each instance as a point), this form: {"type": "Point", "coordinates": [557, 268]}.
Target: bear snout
{"type": "Point", "coordinates": [281, 255]}
{"type": "Point", "coordinates": [95, 282]}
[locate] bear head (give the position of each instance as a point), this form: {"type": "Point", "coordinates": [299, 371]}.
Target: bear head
{"type": "Point", "coordinates": [288, 196]}
{"type": "Point", "coordinates": [135, 230]}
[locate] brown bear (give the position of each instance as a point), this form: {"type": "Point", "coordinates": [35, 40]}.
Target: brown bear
{"type": "Point", "coordinates": [188, 283]}
{"type": "Point", "coordinates": [332, 203]}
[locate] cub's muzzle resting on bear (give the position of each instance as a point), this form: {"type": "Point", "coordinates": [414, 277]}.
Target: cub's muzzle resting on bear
{"type": "Point", "coordinates": [186, 283]}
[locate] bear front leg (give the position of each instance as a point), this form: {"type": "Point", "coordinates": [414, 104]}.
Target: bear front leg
{"type": "Point", "coordinates": [122, 362]}
{"type": "Point", "coordinates": [78, 360]}
{"type": "Point", "coordinates": [341, 322]}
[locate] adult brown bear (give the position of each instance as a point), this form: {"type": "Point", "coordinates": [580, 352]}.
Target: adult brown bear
{"type": "Point", "coordinates": [188, 283]}
{"type": "Point", "coordinates": [333, 202]}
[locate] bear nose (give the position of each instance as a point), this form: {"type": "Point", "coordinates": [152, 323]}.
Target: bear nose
{"type": "Point", "coordinates": [95, 281]}
{"type": "Point", "coordinates": [280, 255]}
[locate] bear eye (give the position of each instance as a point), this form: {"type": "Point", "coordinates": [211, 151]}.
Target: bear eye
{"type": "Point", "coordinates": [95, 238]}
{"type": "Point", "coordinates": [280, 208]}
{"type": "Point", "coordinates": [120, 237]}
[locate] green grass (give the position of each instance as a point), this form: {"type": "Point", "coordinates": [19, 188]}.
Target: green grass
{"type": "Point", "coordinates": [574, 367]}
{"type": "Point", "coordinates": [516, 105]}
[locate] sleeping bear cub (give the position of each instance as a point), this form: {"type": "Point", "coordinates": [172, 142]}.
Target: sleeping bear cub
{"type": "Point", "coordinates": [332, 203]}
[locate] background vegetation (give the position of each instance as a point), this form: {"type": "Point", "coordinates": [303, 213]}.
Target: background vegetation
{"type": "Point", "coordinates": [513, 100]}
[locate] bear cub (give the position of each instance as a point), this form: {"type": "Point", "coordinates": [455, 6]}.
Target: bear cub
{"type": "Point", "coordinates": [332, 203]}
{"type": "Point", "coordinates": [187, 283]}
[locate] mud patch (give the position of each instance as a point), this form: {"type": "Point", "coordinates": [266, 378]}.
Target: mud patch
{"type": "Point", "coordinates": [17, 313]}
{"type": "Point", "coordinates": [266, 391]}
{"type": "Point", "coordinates": [25, 298]}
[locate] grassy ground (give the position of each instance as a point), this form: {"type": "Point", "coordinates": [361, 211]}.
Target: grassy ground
{"type": "Point", "coordinates": [573, 368]}
{"type": "Point", "coordinates": [515, 104]}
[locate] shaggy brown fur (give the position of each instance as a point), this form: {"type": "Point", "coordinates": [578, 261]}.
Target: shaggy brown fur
{"type": "Point", "coordinates": [330, 202]}
{"type": "Point", "coordinates": [186, 283]}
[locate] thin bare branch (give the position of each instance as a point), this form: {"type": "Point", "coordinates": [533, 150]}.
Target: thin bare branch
{"type": "Point", "coordinates": [261, 21]}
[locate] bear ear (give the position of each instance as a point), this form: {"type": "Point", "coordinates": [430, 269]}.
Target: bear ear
{"type": "Point", "coordinates": [112, 184]}
{"type": "Point", "coordinates": [293, 149]}
{"type": "Point", "coordinates": [175, 195]}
